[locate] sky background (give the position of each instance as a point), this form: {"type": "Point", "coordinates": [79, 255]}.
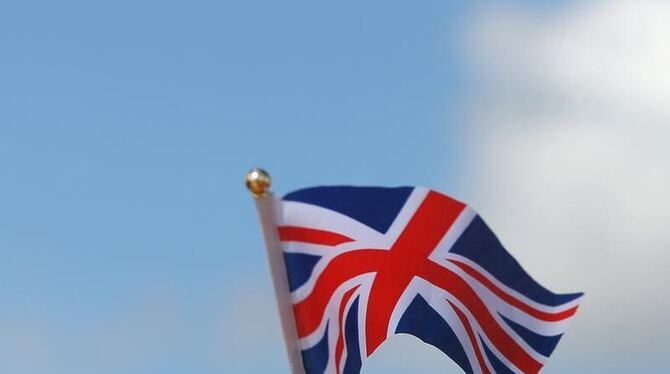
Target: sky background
{"type": "Point", "coordinates": [128, 243]}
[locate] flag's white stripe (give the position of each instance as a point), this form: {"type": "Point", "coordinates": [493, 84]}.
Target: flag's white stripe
{"type": "Point", "coordinates": [455, 231]}
{"type": "Point", "coordinates": [414, 200]}
{"type": "Point", "coordinates": [408, 295]}
{"type": "Point", "coordinates": [311, 249]}
{"type": "Point", "coordinates": [312, 216]}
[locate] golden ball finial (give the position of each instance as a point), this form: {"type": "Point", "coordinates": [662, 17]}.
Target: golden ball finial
{"type": "Point", "coordinates": [258, 182]}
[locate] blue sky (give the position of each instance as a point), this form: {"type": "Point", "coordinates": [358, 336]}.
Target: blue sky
{"type": "Point", "coordinates": [128, 242]}
{"type": "Point", "coordinates": [126, 129]}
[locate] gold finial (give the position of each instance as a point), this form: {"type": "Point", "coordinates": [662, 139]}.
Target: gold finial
{"type": "Point", "coordinates": [258, 182]}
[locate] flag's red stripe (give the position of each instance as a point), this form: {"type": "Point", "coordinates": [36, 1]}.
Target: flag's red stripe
{"type": "Point", "coordinates": [339, 347]}
{"type": "Point", "coordinates": [472, 337]}
{"type": "Point", "coordinates": [455, 285]}
{"type": "Point", "coordinates": [423, 233]}
{"type": "Point", "coordinates": [545, 316]}
{"type": "Point", "coordinates": [312, 236]}
{"type": "Point", "coordinates": [309, 312]}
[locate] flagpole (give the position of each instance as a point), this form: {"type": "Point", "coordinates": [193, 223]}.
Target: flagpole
{"type": "Point", "coordinates": [258, 182]}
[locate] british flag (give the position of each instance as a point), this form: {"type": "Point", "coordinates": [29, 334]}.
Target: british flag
{"type": "Point", "coordinates": [365, 263]}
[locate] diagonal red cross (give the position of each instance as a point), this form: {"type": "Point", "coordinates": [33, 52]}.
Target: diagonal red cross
{"type": "Point", "coordinates": [405, 260]}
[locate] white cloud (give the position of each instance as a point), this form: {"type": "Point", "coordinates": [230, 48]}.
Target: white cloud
{"type": "Point", "coordinates": [571, 152]}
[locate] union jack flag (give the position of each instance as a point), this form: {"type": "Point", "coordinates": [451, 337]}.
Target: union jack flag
{"type": "Point", "coordinates": [364, 263]}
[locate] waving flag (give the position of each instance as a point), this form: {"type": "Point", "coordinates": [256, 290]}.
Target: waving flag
{"type": "Point", "coordinates": [366, 263]}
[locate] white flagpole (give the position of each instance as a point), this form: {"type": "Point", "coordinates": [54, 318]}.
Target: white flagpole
{"type": "Point", "coordinates": [258, 182]}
